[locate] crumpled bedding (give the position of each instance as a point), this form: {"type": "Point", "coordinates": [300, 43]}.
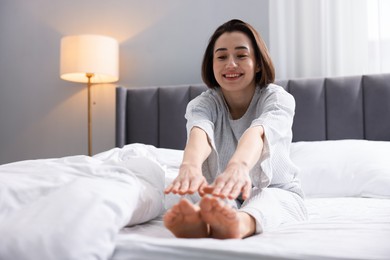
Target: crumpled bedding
{"type": "Point", "coordinates": [74, 207]}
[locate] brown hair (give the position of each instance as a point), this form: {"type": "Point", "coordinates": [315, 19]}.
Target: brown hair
{"type": "Point", "coordinates": [266, 74]}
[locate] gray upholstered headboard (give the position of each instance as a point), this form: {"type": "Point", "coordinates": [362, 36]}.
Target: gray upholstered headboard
{"type": "Point", "coordinates": [355, 107]}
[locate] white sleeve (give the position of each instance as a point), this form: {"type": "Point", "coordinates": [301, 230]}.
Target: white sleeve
{"type": "Point", "coordinates": [277, 113]}
{"type": "Point", "coordinates": [200, 112]}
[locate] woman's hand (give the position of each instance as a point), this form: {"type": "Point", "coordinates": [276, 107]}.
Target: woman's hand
{"type": "Point", "coordinates": [190, 178]}
{"type": "Point", "coordinates": [234, 180]}
{"type": "Point", "coordinates": [189, 181]}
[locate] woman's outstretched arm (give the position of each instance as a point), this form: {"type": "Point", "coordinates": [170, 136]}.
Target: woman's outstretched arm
{"type": "Point", "coordinates": [235, 179]}
{"type": "Point", "coordinates": [190, 178]}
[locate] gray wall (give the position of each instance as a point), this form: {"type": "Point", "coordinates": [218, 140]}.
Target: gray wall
{"type": "Point", "coordinates": [161, 43]}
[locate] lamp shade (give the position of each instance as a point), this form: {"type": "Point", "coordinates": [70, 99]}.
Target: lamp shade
{"type": "Point", "coordinates": [93, 54]}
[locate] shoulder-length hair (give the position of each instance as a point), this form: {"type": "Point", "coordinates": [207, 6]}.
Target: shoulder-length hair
{"type": "Point", "coordinates": [266, 74]}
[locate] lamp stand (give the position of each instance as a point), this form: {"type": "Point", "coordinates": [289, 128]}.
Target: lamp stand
{"type": "Point", "coordinates": [89, 76]}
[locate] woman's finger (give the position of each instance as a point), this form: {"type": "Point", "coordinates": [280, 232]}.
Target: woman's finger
{"type": "Point", "coordinates": [227, 189]}
{"type": "Point", "coordinates": [218, 186]}
{"type": "Point", "coordinates": [168, 189]}
{"type": "Point", "coordinates": [184, 185]}
{"type": "Point", "coordinates": [246, 190]}
{"type": "Point", "coordinates": [175, 187]}
{"type": "Point", "coordinates": [235, 191]}
{"type": "Point", "coordinates": [203, 188]}
{"type": "Point", "coordinates": [195, 185]}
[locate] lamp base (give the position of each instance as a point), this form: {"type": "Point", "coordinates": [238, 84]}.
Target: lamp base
{"type": "Point", "coordinates": [89, 76]}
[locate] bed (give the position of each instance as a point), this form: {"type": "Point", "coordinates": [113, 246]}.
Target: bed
{"type": "Point", "coordinates": [110, 206]}
{"type": "Point", "coordinates": [341, 135]}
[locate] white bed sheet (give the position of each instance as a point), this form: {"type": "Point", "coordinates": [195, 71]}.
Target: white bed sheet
{"type": "Point", "coordinates": [338, 228]}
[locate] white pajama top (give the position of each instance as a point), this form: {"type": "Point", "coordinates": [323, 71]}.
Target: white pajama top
{"type": "Point", "coordinates": [271, 107]}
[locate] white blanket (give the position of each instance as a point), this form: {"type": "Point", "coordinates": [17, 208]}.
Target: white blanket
{"type": "Point", "coordinates": [74, 207]}
{"type": "Point", "coordinates": [337, 228]}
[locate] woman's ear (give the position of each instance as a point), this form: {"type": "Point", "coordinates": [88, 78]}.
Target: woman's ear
{"type": "Point", "coordinates": [258, 68]}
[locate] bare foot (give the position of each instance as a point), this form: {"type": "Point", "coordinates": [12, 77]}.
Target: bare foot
{"type": "Point", "coordinates": [184, 220]}
{"type": "Point", "coordinates": [223, 220]}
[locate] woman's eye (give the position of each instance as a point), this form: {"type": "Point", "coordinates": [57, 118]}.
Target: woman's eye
{"type": "Point", "coordinates": [242, 56]}
{"type": "Point", "coordinates": [221, 57]}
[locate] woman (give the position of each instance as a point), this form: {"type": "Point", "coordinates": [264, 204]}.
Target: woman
{"type": "Point", "coordinates": [237, 152]}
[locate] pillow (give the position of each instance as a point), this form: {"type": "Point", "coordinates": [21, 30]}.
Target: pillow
{"type": "Point", "coordinates": [357, 168]}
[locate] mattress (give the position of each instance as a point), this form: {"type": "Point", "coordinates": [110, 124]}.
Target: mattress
{"type": "Point", "coordinates": [338, 228]}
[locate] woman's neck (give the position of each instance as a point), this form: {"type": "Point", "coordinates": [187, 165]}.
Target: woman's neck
{"type": "Point", "coordinates": [238, 101]}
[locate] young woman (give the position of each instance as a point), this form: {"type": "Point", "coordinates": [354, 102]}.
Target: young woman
{"type": "Point", "coordinates": [237, 152]}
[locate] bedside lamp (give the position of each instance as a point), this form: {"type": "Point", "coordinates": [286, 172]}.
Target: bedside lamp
{"type": "Point", "coordinates": [89, 59]}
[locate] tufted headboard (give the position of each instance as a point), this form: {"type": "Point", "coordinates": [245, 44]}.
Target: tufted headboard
{"type": "Point", "coordinates": [353, 107]}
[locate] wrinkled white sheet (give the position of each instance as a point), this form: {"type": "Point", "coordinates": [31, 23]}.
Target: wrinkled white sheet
{"type": "Point", "coordinates": [338, 228]}
{"type": "Point", "coordinates": [74, 207]}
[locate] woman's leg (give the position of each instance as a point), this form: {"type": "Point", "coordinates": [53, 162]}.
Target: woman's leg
{"type": "Point", "coordinates": [271, 207]}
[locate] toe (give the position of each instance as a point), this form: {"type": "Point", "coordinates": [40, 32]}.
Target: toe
{"type": "Point", "coordinates": [206, 204]}
{"type": "Point", "coordinates": [186, 207]}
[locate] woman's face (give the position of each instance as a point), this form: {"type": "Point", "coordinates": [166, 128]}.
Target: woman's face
{"type": "Point", "coordinates": [234, 62]}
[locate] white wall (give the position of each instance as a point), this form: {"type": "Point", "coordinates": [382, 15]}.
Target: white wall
{"type": "Point", "coordinates": [161, 43]}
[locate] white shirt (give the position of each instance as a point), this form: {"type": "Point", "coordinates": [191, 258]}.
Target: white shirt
{"type": "Point", "coordinates": [272, 108]}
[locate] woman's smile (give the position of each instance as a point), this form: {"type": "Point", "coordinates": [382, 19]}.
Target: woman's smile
{"type": "Point", "coordinates": [232, 76]}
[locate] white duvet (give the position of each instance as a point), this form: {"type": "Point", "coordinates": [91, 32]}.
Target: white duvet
{"type": "Point", "coordinates": [74, 207]}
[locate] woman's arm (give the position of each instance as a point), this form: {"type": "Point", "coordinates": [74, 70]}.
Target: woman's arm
{"type": "Point", "coordinates": [235, 178]}
{"type": "Point", "coordinates": [190, 178]}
